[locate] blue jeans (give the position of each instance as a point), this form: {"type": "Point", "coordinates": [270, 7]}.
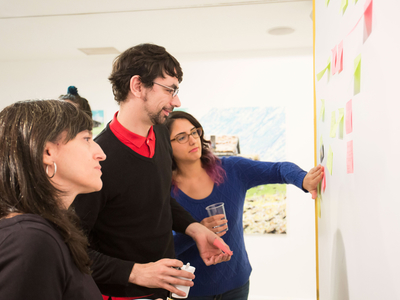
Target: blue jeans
{"type": "Point", "coordinates": [240, 293]}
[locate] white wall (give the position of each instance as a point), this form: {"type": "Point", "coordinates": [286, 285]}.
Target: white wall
{"type": "Point", "coordinates": [283, 266]}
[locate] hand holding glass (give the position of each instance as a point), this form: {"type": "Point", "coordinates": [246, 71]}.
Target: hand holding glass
{"type": "Point", "coordinates": [217, 209]}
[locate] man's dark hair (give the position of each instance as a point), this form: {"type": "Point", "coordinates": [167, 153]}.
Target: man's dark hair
{"type": "Point", "coordinates": [149, 61]}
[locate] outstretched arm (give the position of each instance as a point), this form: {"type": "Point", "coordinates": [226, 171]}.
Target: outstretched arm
{"type": "Point", "coordinates": [204, 239]}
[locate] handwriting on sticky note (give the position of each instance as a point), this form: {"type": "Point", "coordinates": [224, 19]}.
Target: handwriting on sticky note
{"type": "Point", "coordinates": [349, 117]}
{"type": "Point", "coordinates": [350, 162]}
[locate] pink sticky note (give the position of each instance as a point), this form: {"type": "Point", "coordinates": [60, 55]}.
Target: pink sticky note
{"type": "Point", "coordinates": [334, 60]}
{"type": "Point", "coordinates": [368, 17]}
{"type": "Point", "coordinates": [324, 183]}
{"type": "Point", "coordinates": [350, 165]}
{"type": "Point", "coordinates": [339, 62]}
{"type": "Point", "coordinates": [217, 243]}
{"type": "Point", "coordinates": [349, 117]}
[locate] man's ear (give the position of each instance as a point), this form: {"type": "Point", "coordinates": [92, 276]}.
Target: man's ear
{"type": "Point", "coordinates": [136, 86]}
{"type": "Point", "coordinates": [49, 153]}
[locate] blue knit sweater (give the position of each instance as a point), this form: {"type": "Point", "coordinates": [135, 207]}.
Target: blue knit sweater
{"type": "Point", "coordinates": [241, 175]}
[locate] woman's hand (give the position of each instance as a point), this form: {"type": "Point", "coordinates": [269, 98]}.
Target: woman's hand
{"type": "Point", "coordinates": [312, 179]}
{"type": "Point", "coordinates": [214, 222]}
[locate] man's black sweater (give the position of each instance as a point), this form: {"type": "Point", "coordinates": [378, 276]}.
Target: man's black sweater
{"type": "Point", "coordinates": [131, 219]}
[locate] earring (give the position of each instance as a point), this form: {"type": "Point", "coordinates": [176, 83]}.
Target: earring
{"type": "Point", "coordinates": [55, 170]}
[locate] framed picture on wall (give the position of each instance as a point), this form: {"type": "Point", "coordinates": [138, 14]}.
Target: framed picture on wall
{"type": "Point", "coordinates": [256, 133]}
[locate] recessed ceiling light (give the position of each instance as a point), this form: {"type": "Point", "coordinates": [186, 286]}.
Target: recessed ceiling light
{"type": "Point", "coordinates": [280, 30]}
{"type": "Point", "coordinates": [99, 51]}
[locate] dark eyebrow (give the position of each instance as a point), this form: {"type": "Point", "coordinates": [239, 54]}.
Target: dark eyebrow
{"type": "Point", "coordinates": [194, 127]}
{"type": "Point", "coordinates": [88, 131]}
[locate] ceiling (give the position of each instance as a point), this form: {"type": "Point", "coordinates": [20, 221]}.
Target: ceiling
{"type": "Point", "coordinates": [56, 29]}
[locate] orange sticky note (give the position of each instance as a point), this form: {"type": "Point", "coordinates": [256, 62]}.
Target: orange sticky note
{"type": "Point", "coordinates": [217, 243]}
{"type": "Point", "coordinates": [349, 117]}
{"type": "Point", "coordinates": [350, 165]}
{"type": "Point", "coordinates": [339, 61]}
{"type": "Point", "coordinates": [367, 18]}
{"type": "Point", "coordinates": [334, 60]}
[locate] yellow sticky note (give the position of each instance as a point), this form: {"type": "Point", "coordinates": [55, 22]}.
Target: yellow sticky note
{"type": "Point", "coordinates": [320, 74]}
{"type": "Point", "coordinates": [329, 161]}
{"type": "Point", "coordinates": [357, 74]}
{"type": "Point", "coordinates": [343, 6]}
{"type": "Point", "coordinates": [322, 111]}
{"type": "Point", "coordinates": [340, 122]}
{"type": "Point", "coordinates": [333, 125]}
{"type": "Point", "coordinates": [327, 68]}
{"type": "Point", "coordinates": [319, 206]}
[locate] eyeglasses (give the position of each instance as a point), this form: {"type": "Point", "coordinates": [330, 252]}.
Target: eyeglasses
{"type": "Point", "coordinates": [184, 137]}
{"type": "Point", "coordinates": [175, 91]}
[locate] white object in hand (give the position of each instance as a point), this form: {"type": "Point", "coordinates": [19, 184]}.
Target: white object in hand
{"type": "Point", "coordinates": [184, 288]}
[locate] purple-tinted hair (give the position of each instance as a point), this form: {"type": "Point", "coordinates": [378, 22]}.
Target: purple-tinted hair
{"type": "Point", "coordinates": [209, 161]}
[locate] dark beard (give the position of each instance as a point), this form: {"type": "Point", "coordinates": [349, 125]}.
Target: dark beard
{"type": "Point", "coordinates": [158, 118]}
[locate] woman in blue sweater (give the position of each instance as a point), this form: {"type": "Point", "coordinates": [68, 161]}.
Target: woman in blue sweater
{"type": "Point", "coordinates": [201, 179]}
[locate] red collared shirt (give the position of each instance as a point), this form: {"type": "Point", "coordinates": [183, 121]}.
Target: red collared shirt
{"type": "Point", "coordinates": [142, 145]}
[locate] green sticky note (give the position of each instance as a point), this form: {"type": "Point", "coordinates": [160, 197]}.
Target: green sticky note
{"type": "Point", "coordinates": [327, 2]}
{"type": "Point", "coordinates": [343, 6]}
{"type": "Point", "coordinates": [333, 125]}
{"type": "Point", "coordinates": [329, 161]}
{"type": "Point", "coordinates": [320, 74]}
{"type": "Point", "coordinates": [327, 68]}
{"type": "Point", "coordinates": [357, 74]}
{"type": "Point", "coordinates": [341, 122]}
{"type": "Point", "coordinates": [322, 111]}
{"type": "Point", "coordinates": [355, 1]}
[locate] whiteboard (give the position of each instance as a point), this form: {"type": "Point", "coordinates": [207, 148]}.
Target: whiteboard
{"type": "Point", "coordinates": [358, 227]}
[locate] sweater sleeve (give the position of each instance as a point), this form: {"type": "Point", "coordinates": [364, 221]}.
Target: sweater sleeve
{"type": "Point", "coordinates": [106, 269]}
{"type": "Point", "coordinates": [181, 218]}
{"type": "Point", "coordinates": [182, 243]}
{"type": "Point", "coordinates": [32, 266]}
{"type": "Point", "coordinates": [253, 173]}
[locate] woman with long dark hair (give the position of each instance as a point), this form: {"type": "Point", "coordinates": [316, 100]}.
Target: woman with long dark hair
{"type": "Point", "coordinates": [48, 157]}
{"type": "Point", "coordinates": [200, 179]}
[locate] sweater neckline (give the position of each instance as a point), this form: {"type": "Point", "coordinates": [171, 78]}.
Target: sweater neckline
{"type": "Point", "coordinates": [131, 151]}
{"type": "Point", "coordinates": [197, 200]}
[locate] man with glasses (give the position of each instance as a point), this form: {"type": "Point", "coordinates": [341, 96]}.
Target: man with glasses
{"type": "Point", "coordinates": [130, 221]}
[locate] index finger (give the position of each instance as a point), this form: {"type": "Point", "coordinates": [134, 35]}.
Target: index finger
{"type": "Point", "coordinates": [173, 263]}
{"type": "Point", "coordinates": [220, 245]}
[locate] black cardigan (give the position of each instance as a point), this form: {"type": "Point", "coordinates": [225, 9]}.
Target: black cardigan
{"type": "Point", "coordinates": [131, 219]}
{"type": "Point", "coordinates": [35, 263]}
